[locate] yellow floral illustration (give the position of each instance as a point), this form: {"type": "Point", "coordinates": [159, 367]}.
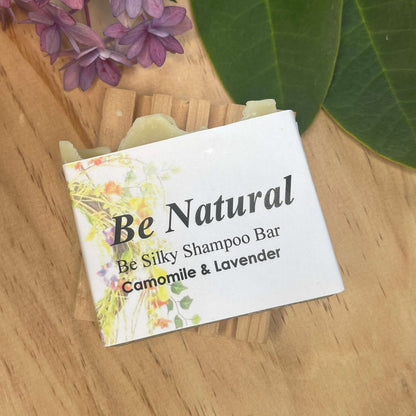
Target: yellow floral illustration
{"type": "Point", "coordinates": [137, 193]}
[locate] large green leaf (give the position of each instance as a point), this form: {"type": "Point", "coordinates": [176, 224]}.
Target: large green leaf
{"type": "Point", "coordinates": [282, 49]}
{"type": "Point", "coordinates": [373, 93]}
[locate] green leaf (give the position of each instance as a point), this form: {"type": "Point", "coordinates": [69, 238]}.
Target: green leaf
{"type": "Point", "coordinates": [149, 169]}
{"type": "Point", "coordinates": [169, 305]}
{"type": "Point", "coordinates": [196, 319]}
{"type": "Point", "coordinates": [177, 287]}
{"type": "Point", "coordinates": [373, 93]}
{"type": "Point", "coordinates": [130, 177]}
{"type": "Point", "coordinates": [282, 49]}
{"type": "Point", "coordinates": [178, 322]}
{"type": "Point", "coordinates": [185, 302]}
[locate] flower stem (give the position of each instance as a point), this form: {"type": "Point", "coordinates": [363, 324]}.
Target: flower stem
{"type": "Point", "coordinates": [87, 14]}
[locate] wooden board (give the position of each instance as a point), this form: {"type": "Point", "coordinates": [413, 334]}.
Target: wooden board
{"type": "Point", "coordinates": [120, 108]}
{"type": "Point", "coordinates": [349, 355]}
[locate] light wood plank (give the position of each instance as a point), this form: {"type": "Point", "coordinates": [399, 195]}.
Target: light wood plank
{"type": "Point", "coordinates": [118, 111]}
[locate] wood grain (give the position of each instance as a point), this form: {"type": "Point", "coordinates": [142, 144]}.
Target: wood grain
{"type": "Point", "coordinates": [352, 354]}
{"type": "Point", "coordinates": [118, 111]}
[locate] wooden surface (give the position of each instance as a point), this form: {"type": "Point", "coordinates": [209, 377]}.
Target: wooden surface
{"type": "Point", "coordinates": [351, 354]}
{"type": "Point", "coordinates": [120, 108]}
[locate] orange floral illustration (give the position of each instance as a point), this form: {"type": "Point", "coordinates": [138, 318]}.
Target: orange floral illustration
{"type": "Point", "coordinates": [112, 188]}
{"type": "Point", "coordinates": [96, 162]}
{"type": "Point", "coordinates": [163, 323]}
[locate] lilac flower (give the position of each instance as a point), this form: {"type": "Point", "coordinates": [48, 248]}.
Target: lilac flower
{"type": "Point", "coordinates": [74, 4]}
{"type": "Point", "coordinates": [85, 66]}
{"type": "Point", "coordinates": [41, 3]}
{"type": "Point", "coordinates": [133, 8]}
{"type": "Point", "coordinates": [5, 10]}
{"type": "Point", "coordinates": [51, 21]}
{"type": "Point", "coordinates": [116, 30]}
{"type": "Point", "coordinates": [5, 3]}
{"type": "Point", "coordinates": [90, 55]}
{"type": "Point", "coordinates": [150, 39]}
{"type": "Point", "coordinates": [28, 5]}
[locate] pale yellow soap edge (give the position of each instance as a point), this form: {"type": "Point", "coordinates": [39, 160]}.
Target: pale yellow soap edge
{"type": "Point", "coordinates": [150, 129]}
{"type": "Point", "coordinates": [166, 124]}
{"type": "Point", "coordinates": [259, 108]}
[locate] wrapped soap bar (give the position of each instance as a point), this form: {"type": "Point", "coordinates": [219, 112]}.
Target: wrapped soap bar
{"type": "Point", "coordinates": [228, 213]}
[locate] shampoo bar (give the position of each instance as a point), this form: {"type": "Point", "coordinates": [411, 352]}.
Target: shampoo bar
{"type": "Point", "coordinates": [200, 227]}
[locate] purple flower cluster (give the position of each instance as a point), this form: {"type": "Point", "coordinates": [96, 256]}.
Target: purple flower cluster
{"type": "Point", "coordinates": [153, 8]}
{"type": "Point", "coordinates": [149, 40]}
{"type": "Point", "coordinates": [52, 22]}
{"type": "Point", "coordinates": [145, 39]}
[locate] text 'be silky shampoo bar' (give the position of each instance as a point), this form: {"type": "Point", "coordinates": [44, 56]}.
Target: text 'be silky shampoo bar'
{"type": "Point", "coordinates": [201, 227]}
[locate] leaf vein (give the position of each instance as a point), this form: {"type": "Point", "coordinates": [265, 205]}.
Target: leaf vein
{"type": "Point", "coordinates": [245, 11]}
{"type": "Point", "coordinates": [389, 31]}
{"type": "Point", "coordinates": [354, 59]}
{"type": "Point", "coordinates": [273, 39]}
{"type": "Point", "coordinates": [369, 34]}
{"type": "Point", "coordinates": [373, 6]}
{"type": "Point", "coordinates": [257, 74]}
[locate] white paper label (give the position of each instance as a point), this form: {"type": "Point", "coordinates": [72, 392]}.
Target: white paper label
{"type": "Point", "coordinates": [202, 227]}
